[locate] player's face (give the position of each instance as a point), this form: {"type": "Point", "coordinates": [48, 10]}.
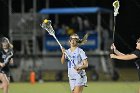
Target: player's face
{"type": "Point", "coordinates": [73, 42]}
{"type": "Point", "coordinates": [4, 45]}
{"type": "Point", "coordinates": [138, 44]}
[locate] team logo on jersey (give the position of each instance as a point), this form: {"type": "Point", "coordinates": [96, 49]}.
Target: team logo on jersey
{"type": "Point", "coordinates": [3, 56]}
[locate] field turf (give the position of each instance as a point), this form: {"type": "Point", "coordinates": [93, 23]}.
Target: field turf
{"type": "Point", "coordinates": [63, 87]}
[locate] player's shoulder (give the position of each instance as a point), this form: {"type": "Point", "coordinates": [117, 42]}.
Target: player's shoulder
{"type": "Point", "coordinates": [80, 49]}
{"type": "Point", "coordinates": [67, 50]}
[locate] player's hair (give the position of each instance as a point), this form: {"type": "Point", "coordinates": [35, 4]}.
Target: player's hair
{"type": "Point", "coordinates": [4, 39]}
{"type": "Point", "coordinates": [80, 41]}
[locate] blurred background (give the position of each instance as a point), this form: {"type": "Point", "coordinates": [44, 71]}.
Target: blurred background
{"type": "Point", "coordinates": [35, 50]}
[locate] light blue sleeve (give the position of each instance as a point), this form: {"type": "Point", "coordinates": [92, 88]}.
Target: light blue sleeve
{"type": "Point", "coordinates": [83, 54]}
{"type": "Point", "coordinates": [67, 53]}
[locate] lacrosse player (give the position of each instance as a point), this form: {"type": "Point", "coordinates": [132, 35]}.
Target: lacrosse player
{"type": "Point", "coordinates": [134, 55]}
{"type": "Point", "coordinates": [6, 57]}
{"type": "Point", "coordinates": [77, 65]}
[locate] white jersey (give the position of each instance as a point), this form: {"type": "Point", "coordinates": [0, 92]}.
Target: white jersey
{"type": "Point", "coordinates": [77, 56]}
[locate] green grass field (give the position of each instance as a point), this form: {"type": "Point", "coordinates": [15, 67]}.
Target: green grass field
{"type": "Point", "coordinates": [63, 87]}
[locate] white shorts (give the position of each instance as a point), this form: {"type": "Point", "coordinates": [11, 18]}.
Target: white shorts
{"type": "Point", "coordinates": [77, 80]}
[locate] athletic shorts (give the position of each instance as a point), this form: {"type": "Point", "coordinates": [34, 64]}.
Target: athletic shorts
{"type": "Point", "coordinates": [77, 80]}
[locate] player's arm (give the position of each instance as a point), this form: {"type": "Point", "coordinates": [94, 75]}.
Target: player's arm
{"type": "Point", "coordinates": [11, 61]}
{"type": "Point", "coordinates": [84, 66]}
{"type": "Point", "coordinates": [124, 57]}
{"type": "Point", "coordinates": [118, 52]}
{"type": "Point", "coordinates": [113, 47]}
{"type": "Point", "coordinates": [84, 60]}
{"type": "Point", "coordinates": [2, 64]}
{"type": "Point", "coordinates": [63, 56]}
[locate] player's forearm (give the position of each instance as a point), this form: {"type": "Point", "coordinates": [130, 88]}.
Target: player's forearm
{"type": "Point", "coordinates": [2, 64]}
{"type": "Point", "coordinates": [118, 52]}
{"type": "Point", "coordinates": [123, 57]}
{"type": "Point", "coordinates": [63, 58]}
{"type": "Point", "coordinates": [11, 61]}
{"type": "Point", "coordinates": [85, 65]}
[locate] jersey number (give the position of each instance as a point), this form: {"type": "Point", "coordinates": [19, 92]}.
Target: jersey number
{"type": "Point", "coordinates": [69, 63]}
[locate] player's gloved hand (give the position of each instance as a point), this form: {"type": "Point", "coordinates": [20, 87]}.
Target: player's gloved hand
{"type": "Point", "coordinates": [2, 64]}
{"type": "Point", "coordinates": [113, 47]}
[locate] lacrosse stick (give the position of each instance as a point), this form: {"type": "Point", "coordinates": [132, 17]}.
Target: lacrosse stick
{"type": "Point", "coordinates": [138, 68]}
{"type": "Point", "coordinates": [47, 26]}
{"type": "Point", "coordinates": [7, 59]}
{"type": "Point", "coordinates": [116, 6]}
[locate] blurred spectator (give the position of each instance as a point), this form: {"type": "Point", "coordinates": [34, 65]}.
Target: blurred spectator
{"type": "Point", "coordinates": [60, 30]}
{"type": "Point", "coordinates": [70, 31]}
{"type": "Point", "coordinates": [74, 24]}
{"type": "Point", "coordinates": [55, 27]}
{"type": "Point", "coordinates": [40, 76]}
{"type": "Point", "coordinates": [80, 22]}
{"type": "Point", "coordinates": [39, 72]}
{"type": "Point", "coordinates": [26, 19]}
{"type": "Point", "coordinates": [63, 28]}
{"type": "Point", "coordinates": [104, 39]}
{"type": "Point", "coordinates": [87, 26]}
{"type": "Point", "coordinates": [59, 76]}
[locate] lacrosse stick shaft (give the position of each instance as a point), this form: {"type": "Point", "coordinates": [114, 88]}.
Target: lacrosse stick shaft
{"type": "Point", "coordinates": [138, 68]}
{"type": "Point", "coordinates": [116, 6]}
{"type": "Point", "coordinates": [57, 41]}
{"type": "Point", "coordinates": [61, 48]}
{"type": "Point", "coordinates": [7, 59]}
{"type": "Point", "coordinates": [114, 27]}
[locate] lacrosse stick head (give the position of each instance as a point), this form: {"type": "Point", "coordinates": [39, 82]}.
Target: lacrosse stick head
{"type": "Point", "coordinates": [46, 24]}
{"type": "Point", "coordinates": [116, 6]}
